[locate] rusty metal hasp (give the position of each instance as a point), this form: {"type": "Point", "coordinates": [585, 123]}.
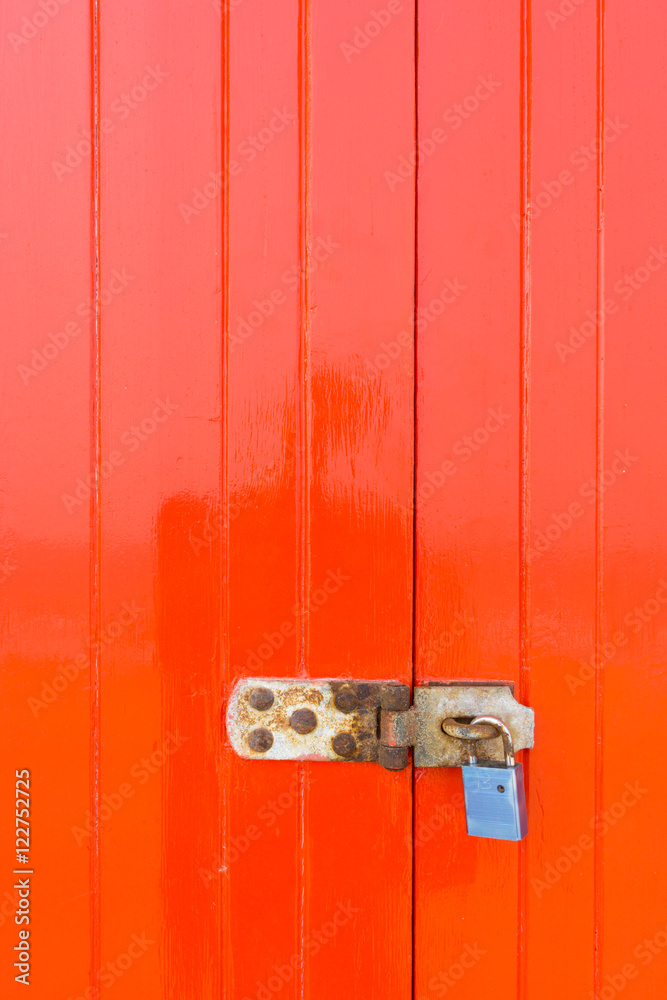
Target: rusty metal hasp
{"type": "Point", "coordinates": [362, 721]}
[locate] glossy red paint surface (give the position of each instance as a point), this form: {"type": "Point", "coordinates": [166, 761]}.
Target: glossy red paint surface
{"type": "Point", "coordinates": [278, 403]}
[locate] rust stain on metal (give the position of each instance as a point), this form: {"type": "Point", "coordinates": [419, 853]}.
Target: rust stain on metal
{"type": "Point", "coordinates": [358, 703]}
{"type": "Point", "coordinates": [461, 729]}
{"type": "Point", "coordinates": [394, 758]}
{"type": "Point", "coordinates": [395, 697]}
{"type": "Point", "coordinates": [398, 729]}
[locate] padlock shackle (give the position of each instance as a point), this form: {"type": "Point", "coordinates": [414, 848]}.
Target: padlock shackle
{"type": "Point", "coordinates": [508, 742]}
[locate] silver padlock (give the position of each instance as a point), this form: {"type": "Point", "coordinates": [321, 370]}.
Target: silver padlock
{"type": "Point", "coordinates": [495, 798]}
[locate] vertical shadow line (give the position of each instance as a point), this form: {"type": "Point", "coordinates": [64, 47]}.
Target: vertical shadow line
{"type": "Point", "coordinates": [303, 418]}
{"type": "Point", "coordinates": [526, 97]}
{"type": "Point", "coordinates": [599, 504]}
{"type": "Point", "coordinates": [95, 513]}
{"type": "Point", "coordinates": [225, 894]}
{"type": "Point", "coordinates": [415, 459]}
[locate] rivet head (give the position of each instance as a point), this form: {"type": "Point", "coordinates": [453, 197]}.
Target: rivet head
{"type": "Point", "coordinates": [303, 721]}
{"type": "Point", "coordinates": [260, 740]}
{"type": "Point", "coordinates": [261, 699]}
{"type": "Point", "coordinates": [344, 744]}
{"type": "Point", "coordinates": [346, 700]}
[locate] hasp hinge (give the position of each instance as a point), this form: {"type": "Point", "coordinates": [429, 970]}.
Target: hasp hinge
{"type": "Point", "coordinates": [364, 721]}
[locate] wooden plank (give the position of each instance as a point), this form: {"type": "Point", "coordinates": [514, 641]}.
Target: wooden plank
{"type": "Point", "coordinates": [160, 453]}
{"type": "Point", "coordinates": [45, 281]}
{"type": "Point", "coordinates": [261, 491]}
{"type": "Point", "coordinates": [632, 883]}
{"type": "Point", "coordinates": [358, 420]}
{"type": "Point", "coordinates": [558, 890]}
{"type": "Point", "coordinates": [470, 410]}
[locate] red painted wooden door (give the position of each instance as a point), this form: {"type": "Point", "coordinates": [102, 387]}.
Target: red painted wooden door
{"type": "Point", "coordinates": [333, 346]}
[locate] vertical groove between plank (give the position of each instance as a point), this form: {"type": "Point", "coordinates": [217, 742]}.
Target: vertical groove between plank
{"type": "Point", "coordinates": [303, 470]}
{"type": "Point", "coordinates": [95, 515]}
{"type": "Point", "coordinates": [525, 442]}
{"type": "Point", "coordinates": [415, 366]}
{"type": "Point", "coordinates": [599, 505]}
{"type": "Point", "coordinates": [225, 899]}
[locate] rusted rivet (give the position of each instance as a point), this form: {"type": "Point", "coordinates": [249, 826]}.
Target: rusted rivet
{"type": "Point", "coordinates": [346, 700]}
{"type": "Point", "coordinates": [261, 699]}
{"type": "Point", "coordinates": [303, 721]}
{"type": "Point", "coordinates": [260, 740]}
{"type": "Point", "coordinates": [344, 744]}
